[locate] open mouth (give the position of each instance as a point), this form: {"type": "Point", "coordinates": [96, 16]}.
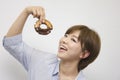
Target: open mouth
{"type": "Point", "coordinates": [62, 48]}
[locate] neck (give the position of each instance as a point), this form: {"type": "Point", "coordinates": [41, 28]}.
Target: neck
{"type": "Point", "coordinates": [68, 68]}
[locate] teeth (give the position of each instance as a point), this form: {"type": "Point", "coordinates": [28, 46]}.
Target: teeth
{"type": "Point", "coordinates": [62, 47]}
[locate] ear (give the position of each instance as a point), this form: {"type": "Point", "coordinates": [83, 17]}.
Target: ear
{"type": "Point", "coordinates": [85, 54]}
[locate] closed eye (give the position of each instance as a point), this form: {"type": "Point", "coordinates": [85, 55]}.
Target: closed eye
{"type": "Point", "coordinates": [74, 40]}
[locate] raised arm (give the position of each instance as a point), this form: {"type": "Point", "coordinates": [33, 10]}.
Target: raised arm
{"type": "Point", "coordinates": [17, 26]}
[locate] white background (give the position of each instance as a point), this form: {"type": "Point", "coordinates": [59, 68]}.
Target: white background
{"type": "Point", "coordinates": [101, 15]}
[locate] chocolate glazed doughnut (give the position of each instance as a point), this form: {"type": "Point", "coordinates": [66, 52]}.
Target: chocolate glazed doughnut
{"type": "Point", "coordinates": [43, 31]}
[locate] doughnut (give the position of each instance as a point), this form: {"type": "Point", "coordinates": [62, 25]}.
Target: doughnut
{"type": "Point", "coordinates": [43, 31]}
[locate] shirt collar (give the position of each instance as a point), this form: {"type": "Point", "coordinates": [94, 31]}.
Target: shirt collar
{"type": "Point", "coordinates": [56, 69]}
{"type": "Point", "coordinates": [80, 75]}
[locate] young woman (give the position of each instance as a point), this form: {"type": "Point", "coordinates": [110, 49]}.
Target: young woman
{"type": "Point", "coordinates": [77, 49]}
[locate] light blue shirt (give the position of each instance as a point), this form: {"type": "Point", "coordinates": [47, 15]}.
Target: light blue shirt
{"type": "Point", "coordinates": [40, 65]}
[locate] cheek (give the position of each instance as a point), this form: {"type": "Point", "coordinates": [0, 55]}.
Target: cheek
{"type": "Point", "coordinates": [75, 50]}
{"type": "Point", "coordinates": [75, 47]}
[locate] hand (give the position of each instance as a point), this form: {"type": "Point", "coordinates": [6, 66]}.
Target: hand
{"type": "Point", "coordinates": [37, 12]}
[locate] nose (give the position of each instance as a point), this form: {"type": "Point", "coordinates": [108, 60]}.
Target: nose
{"type": "Point", "coordinates": [64, 40]}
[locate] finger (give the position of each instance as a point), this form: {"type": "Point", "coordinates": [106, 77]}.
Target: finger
{"type": "Point", "coordinates": [38, 13]}
{"type": "Point", "coordinates": [34, 13]}
{"type": "Point", "coordinates": [42, 17]}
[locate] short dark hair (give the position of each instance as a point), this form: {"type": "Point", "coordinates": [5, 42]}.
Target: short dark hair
{"type": "Point", "coordinates": [90, 41]}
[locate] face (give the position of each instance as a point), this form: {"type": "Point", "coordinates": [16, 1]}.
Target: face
{"type": "Point", "coordinates": [70, 47]}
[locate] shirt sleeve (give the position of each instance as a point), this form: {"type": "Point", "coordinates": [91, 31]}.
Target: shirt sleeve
{"type": "Point", "coordinates": [17, 48]}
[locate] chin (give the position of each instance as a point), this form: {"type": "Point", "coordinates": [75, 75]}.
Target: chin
{"type": "Point", "coordinates": [59, 55]}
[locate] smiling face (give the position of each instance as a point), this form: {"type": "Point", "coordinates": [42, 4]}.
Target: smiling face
{"type": "Point", "coordinates": [70, 47]}
{"type": "Point", "coordinates": [80, 43]}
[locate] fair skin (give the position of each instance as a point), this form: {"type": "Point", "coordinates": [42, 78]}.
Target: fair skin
{"type": "Point", "coordinates": [69, 58]}
{"type": "Point", "coordinates": [17, 26]}
{"type": "Point", "coordinates": [70, 54]}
